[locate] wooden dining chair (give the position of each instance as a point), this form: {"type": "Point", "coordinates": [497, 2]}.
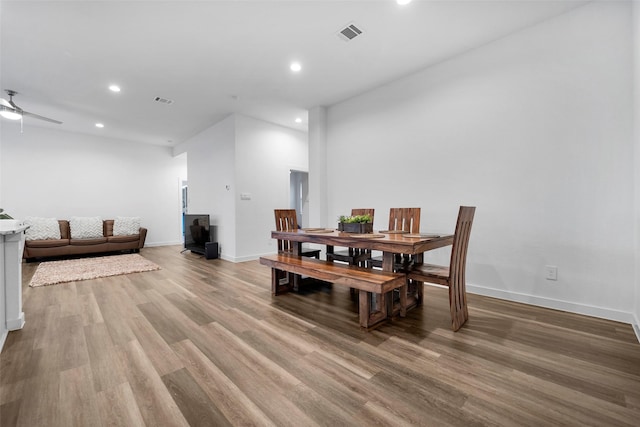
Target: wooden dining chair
{"type": "Point", "coordinates": [353, 256]}
{"type": "Point", "coordinates": [452, 276]}
{"type": "Point", "coordinates": [400, 219]}
{"type": "Point", "coordinates": [287, 220]}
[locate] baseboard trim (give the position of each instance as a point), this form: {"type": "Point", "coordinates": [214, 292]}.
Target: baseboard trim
{"type": "Point", "coordinates": [150, 245]}
{"type": "Point", "coordinates": [3, 338]}
{"type": "Point", "coordinates": [17, 323]}
{"type": "Point", "coordinates": [243, 258]}
{"type": "Point", "coordinates": [636, 326]}
{"type": "Point", "coordinates": [636, 329]}
{"type": "Point", "coordinates": [587, 310]}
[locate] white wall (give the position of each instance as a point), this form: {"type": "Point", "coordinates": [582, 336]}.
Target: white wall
{"type": "Point", "coordinates": [636, 121]}
{"type": "Point", "coordinates": [265, 153]}
{"type": "Point", "coordinates": [211, 180]}
{"type": "Point", "coordinates": [535, 130]}
{"type": "Point", "coordinates": [318, 201]}
{"type": "Point", "coordinates": [59, 174]}
{"type": "Point", "coordinates": [251, 157]}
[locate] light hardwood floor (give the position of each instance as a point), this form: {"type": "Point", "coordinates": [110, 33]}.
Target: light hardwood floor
{"type": "Point", "coordinates": [202, 342]}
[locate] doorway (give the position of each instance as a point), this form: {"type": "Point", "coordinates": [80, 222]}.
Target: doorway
{"type": "Point", "coordinates": [299, 195]}
{"type": "Point", "coordinates": [184, 197]}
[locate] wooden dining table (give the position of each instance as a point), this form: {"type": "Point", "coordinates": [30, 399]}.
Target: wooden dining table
{"type": "Point", "coordinates": [390, 243]}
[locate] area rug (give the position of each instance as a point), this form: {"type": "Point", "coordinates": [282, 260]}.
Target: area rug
{"type": "Point", "coordinates": [71, 270]}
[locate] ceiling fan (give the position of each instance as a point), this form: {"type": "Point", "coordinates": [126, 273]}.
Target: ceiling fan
{"type": "Point", "coordinates": [9, 110]}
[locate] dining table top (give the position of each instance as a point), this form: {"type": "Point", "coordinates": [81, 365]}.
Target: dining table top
{"type": "Point", "coordinates": [386, 241]}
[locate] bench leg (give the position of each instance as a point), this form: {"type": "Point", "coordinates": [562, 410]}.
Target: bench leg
{"type": "Point", "coordinates": [368, 317]}
{"type": "Point", "coordinates": [278, 288]}
{"type": "Point", "coordinates": [415, 293]}
{"type": "Point", "coordinates": [365, 307]}
{"type": "Point", "coordinates": [294, 279]}
{"type": "Point", "coordinates": [398, 306]}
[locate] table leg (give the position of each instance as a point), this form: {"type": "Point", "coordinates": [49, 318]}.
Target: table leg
{"type": "Point", "coordinates": [297, 250]}
{"type": "Point", "coordinates": [388, 265]}
{"type": "Point", "coordinates": [415, 290]}
{"type": "Point", "coordinates": [329, 250]}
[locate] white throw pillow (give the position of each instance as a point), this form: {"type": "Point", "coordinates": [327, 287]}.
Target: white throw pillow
{"type": "Point", "coordinates": [41, 228]}
{"type": "Point", "coordinates": [126, 225]}
{"type": "Point", "coordinates": [85, 227]}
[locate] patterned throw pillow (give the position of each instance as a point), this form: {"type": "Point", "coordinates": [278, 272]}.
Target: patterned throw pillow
{"type": "Point", "coordinates": [85, 227]}
{"type": "Point", "coordinates": [41, 228]}
{"type": "Point", "coordinates": [126, 225]}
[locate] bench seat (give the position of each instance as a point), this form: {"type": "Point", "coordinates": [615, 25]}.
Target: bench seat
{"type": "Point", "coordinates": [367, 281]}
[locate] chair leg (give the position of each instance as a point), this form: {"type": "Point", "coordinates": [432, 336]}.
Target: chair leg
{"type": "Point", "coordinates": [403, 300]}
{"type": "Point", "coordinates": [458, 306]}
{"type": "Point", "coordinates": [458, 318]}
{"type": "Point", "coordinates": [419, 293]}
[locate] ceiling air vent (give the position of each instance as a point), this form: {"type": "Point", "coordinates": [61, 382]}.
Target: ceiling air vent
{"type": "Point", "coordinates": [350, 32]}
{"type": "Point", "coordinates": [163, 100]}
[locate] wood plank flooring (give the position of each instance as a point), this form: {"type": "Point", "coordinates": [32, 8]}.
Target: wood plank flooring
{"type": "Point", "coordinates": [203, 343]}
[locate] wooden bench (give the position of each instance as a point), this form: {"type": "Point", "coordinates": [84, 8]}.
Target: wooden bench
{"type": "Point", "coordinates": [367, 281]}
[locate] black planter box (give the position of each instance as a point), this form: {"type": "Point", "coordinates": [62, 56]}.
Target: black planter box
{"type": "Point", "coordinates": [355, 227]}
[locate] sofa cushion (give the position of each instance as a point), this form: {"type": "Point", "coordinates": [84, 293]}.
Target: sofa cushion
{"type": "Point", "coordinates": [123, 239]}
{"type": "Point", "coordinates": [42, 228]}
{"type": "Point", "coordinates": [88, 242]}
{"type": "Point", "coordinates": [85, 227]}
{"type": "Point", "coordinates": [126, 225]}
{"type": "Point", "coordinates": [48, 243]}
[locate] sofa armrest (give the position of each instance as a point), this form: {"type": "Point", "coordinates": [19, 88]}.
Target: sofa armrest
{"type": "Point", "coordinates": [143, 237]}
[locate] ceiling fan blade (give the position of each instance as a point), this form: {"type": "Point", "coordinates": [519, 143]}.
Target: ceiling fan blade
{"type": "Point", "coordinates": [36, 116]}
{"type": "Point", "coordinates": [5, 103]}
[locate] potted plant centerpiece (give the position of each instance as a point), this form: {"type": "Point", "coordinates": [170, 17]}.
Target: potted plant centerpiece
{"type": "Point", "coordinates": [355, 224]}
{"type": "Point", "coordinates": [4, 215]}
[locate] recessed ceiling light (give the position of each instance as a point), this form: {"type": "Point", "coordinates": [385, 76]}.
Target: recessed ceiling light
{"type": "Point", "coordinates": [295, 67]}
{"type": "Point", "coordinates": [403, 2]}
{"type": "Point", "coordinates": [298, 120]}
{"type": "Point", "coordinates": [99, 125]}
{"type": "Point", "coordinates": [114, 88]}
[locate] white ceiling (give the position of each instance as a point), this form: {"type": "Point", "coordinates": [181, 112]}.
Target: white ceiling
{"type": "Point", "coordinates": [213, 58]}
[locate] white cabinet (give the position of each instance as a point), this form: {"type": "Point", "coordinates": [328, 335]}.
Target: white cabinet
{"type": "Point", "coordinates": [11, 246]}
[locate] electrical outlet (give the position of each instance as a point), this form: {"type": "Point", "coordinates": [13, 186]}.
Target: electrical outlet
{"type": "Point", "coordinates": [551, 272]}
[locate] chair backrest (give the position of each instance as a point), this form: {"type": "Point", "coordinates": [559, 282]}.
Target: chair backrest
{"type": "Point", "coordinates": [457, 267]}
{"type": "Point", "coordinates": [370, 212]}
{"type": "Point", "coordinates": [286, 220]}
{"type": "Point", "coordinates": [404, 219]}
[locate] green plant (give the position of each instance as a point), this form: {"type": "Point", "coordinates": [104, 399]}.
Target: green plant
{"type": "Point", "coordinates": [4, 215]}
{"type": "Point", "coordinates": [355, 219]}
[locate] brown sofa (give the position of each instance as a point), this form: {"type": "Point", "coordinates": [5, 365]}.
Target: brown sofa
{"type": "Point", "coordinates": [68, 246]}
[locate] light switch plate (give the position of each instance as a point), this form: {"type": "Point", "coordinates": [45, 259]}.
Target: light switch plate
{"type": "Point", "coordinates": [551, 272]}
